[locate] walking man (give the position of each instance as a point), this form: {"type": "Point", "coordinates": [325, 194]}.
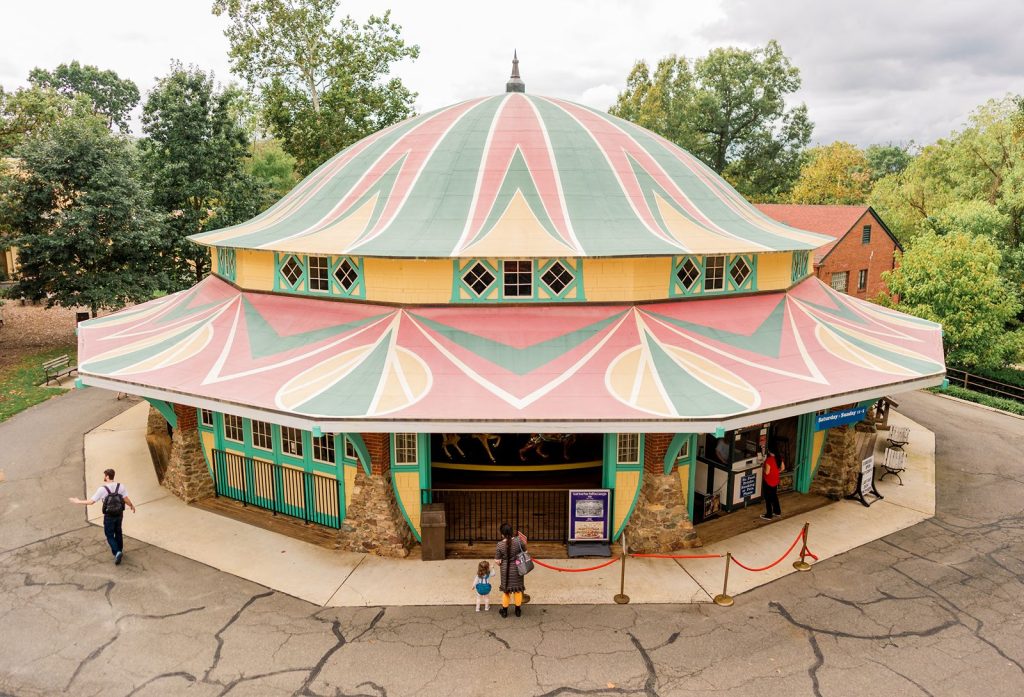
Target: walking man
{"type": "Point", "coordinates": [114, 497]}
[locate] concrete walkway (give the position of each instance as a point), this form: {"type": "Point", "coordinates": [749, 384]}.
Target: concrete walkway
{"type": "Point", "coordinates": [332, 578]}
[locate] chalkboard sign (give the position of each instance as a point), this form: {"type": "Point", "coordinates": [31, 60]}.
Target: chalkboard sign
{"type": "Point", "coordinates": [748, 484]}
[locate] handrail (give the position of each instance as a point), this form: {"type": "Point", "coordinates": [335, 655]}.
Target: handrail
{"type": "Point", "coordinates": [984, 385]}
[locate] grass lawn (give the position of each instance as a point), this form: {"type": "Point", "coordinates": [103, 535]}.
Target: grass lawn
{"type": "Point", "coordinates": [19, 382]}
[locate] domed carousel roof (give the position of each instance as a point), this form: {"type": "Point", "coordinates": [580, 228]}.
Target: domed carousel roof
{"type": "Point", "coordinates": [513, 175]}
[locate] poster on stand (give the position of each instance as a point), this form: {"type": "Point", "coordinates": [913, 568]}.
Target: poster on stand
{"type": "Point", "coordinates": [589, 515]}
{"type": "Point", "coordinates": [867, 475]}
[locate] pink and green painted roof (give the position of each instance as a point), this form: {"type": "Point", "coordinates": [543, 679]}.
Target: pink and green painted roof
{"type": "Point", "coordinates": [685, 365]}
{"type": "Point", "coordinates": [513, 175]}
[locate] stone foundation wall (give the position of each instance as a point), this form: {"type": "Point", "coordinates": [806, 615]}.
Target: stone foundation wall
{"type": "Point", "coordinates": [840, 461]}
{"type": "Point", "coordinates": [374, 524]}
{"type": "Point", "coordinates": [159, 443]}
{"type": "Point", "coordinates": [660, 522]}
{"type": "Point", "coordinates": [187, 475]}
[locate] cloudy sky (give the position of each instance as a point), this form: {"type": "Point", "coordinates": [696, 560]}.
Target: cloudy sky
{"type": "Point", "coordinates": [873, 71]}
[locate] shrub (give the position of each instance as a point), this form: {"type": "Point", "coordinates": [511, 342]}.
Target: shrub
{"type": "Point", "coordinates": [988, 401]}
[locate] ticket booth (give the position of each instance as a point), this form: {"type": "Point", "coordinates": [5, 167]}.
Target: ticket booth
{"type": "Point", "coordinates": [729, 470]}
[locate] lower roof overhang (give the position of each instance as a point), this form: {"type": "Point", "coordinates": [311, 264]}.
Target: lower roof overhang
{"type": "Point", "coordinates": [680, 366]}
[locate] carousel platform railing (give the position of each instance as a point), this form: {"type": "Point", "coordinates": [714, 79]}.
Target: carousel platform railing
{"type": "Point", "coordinates": [475, 515]}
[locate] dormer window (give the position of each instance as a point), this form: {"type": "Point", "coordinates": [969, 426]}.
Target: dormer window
{"type": "Point", "coordinates": [518, 280]}
{"type": "Point", "coordinates": [714, 273]}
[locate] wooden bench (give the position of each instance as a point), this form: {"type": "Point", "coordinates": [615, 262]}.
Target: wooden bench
{"type": "Point", "coordinates": [898, 436]}
{"type": "Point", "coordinates": [895, 463]}
{"type": "Point", "coordinates": [56, 368]}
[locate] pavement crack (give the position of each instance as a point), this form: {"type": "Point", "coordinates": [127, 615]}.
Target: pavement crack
{"type": "Point", "coordinates": [227, 625]}
{"type": "Point", "coordinates": [931, 631]}
{"type": "Point", "coordinates": [497, 639]}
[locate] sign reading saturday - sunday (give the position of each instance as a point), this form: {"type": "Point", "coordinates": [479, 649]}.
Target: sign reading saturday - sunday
{"type": "Point", "coordinates": [589, 515]}
{"type": "Point", "coordinates": [839, 418]}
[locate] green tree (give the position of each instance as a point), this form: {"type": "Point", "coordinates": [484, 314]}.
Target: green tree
{"type": "Point", "coordinates": [884, 160]}
{"type": "Point", "coordinates": [954, 279]}
{"type": "Point", "coordinates": [193, 155]}
{"type": "Point", "coordinates": [729, 109]}
{"type": "Point", "coordinates": [81, 219]}
{"type": "Point", "coordinates": [833, 174]}
{"type": "Point", "coordinates": [273, 168]}
{"type": "Point", "coordinates": [30, 110]}
{"type": "Point", "coordinates": [322, 83]}
{"type": "Point", "coordinates": [112, 96]}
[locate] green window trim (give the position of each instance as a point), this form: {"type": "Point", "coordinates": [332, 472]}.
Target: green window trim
{"type": "Point", "coordinates": [541, 291]}
{"type": "Point", "coordinates": [360, 447]}
{"type": "Point", "coordinates": [799, 269]}
{"type": "Point", "coordinates": [422, 466]}
{"type": "Point", "coordinates": [611, 467]}
{"type": "Point", "coordinates": [353, 265]}
{"type": "Point", "coordinates": [227, 265]}
{"type": "Point", "coordinates": [689, 272]}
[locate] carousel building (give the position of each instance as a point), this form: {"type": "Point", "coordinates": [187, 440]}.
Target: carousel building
{"type": "Point", "coordinates": [493, 303]}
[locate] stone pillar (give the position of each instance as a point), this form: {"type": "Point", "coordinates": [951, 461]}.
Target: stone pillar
{"type": "Point", "coordinates": [840, 461]}
{"type": "Point", "coordinates": [187, 476]}
{"type": "Point", "coordinates": [373, 522]}
{"type": "Point", "coordinates": [660, 522]}
{"type": "Point", "coordinates": [159, 441]}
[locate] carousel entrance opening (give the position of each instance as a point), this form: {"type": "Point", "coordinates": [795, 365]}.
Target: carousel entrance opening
{"type": "Point", "coordinates": [485, 479]}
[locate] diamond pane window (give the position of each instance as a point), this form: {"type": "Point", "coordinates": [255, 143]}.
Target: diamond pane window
{"type": "Point", "coordinates": [688, 274]}
{"type": "Point", "coordinates": [318, 279]}
{"type": "Point", "coordinates": [714, 273]}
{"type": "Point", "coordinates": [291, 270]}
{"type": "Point", "coordinates": [478, 278]}
{"type": "Point", "coordinates": [518, 279]}
{"type": "Point", "coordinates": [346, 275]}
{"type": "Point", "coordinates": [557, 277]}
{"type": "Point", "coordinates": [740, 271]}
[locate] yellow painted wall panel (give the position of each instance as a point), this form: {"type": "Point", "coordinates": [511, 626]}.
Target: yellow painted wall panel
{"type": "Point", "coordinates": [408, 486]}
{"type": "Point", "coordinates": [408, 280]}
{"type": "Point", "coordinates": [626, 483]}
{"type": "Point", "coordinates": [207, 441]}
{"type": "Point", "coordinates": [816, 450]}
{"type": "Point", "coordinates": [774, 270]}
{"type": "Point", "coordinates": [627, 280]}
{"type": "Point", "coordinates": [350, 482]}
{"type": "Point", "coordinates": [254, 269]}
{"type": "Point", "coordinates": [684, 481]}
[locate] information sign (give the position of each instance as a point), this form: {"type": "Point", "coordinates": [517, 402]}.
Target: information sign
{"type": "Point", "coordinates": [831, 419]}
{"type": "Point", "coordinates": [867, 475]}
{"type": "Point", "coordinates": [589, 515]}
{"type": "Point", "coordinates": [748, 484]}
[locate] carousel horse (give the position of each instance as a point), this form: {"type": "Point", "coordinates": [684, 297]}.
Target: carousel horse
{"type": "Point", "coordinates": [537, 440]}
{"type": "Point", "coordinates": [451, 440]}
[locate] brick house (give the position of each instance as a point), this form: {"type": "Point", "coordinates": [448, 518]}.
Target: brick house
{"type": "Point", "coordinates": [863, 248]}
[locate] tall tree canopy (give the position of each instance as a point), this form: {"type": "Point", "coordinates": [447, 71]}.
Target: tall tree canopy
{"type": "Point", "coordinates": [112, 96]}
{"type": "Point", "coordinates": [193, 155]}
{"type": "Point", "coordinates": [80, 216]}
{"type": "Point", "coordinates": [29, 111]}
{"type": "Point", "coordinates": [729, 109]}
{"type": "Point", "coordinates": [984, 163]}
{"type": "Point", "coordinates": [887, 159]}
{"type": "Point", "coordinates": [322, 82]}
{"type": "Point", "coordinates": [954, 279]}
{"type": "Point", "coordinates": [833, 174]}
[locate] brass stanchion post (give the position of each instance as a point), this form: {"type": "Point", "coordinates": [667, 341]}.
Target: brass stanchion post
{"type": "Point", "coordinates": [803, 565]}
{"type": "Point", "coordinates": [725, 600]}
{"type": "Point", "coordinates": [621, 598]}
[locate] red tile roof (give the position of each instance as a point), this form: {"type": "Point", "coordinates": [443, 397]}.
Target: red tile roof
{"type": "Point", "coordinates": [835, 221]}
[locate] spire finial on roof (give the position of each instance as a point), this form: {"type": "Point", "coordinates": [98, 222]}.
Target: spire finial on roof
{"type": "Point", "coordinates": [515, 83]}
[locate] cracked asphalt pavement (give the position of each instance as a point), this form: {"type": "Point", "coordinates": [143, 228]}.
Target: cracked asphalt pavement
{"type": "Point", "coordinates": [936, 609]}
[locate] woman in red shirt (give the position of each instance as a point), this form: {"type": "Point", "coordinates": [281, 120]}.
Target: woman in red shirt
{"type": "Point", "coordinates": [772, 467]}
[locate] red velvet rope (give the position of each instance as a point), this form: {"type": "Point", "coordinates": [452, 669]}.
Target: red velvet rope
{"type": "Point", "coordinates": [786, 554]}
{"type": "Point", "coordinates": [678, 556]}
{"type": "Point", "coordinates": [589, 568]}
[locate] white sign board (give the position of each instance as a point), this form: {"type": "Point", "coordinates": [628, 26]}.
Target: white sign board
{"type": "Point", "coordinates": [867, 474]}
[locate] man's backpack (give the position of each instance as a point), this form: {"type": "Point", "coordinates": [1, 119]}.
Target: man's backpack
{"type": "Point", "coordinates": [113, 503]}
